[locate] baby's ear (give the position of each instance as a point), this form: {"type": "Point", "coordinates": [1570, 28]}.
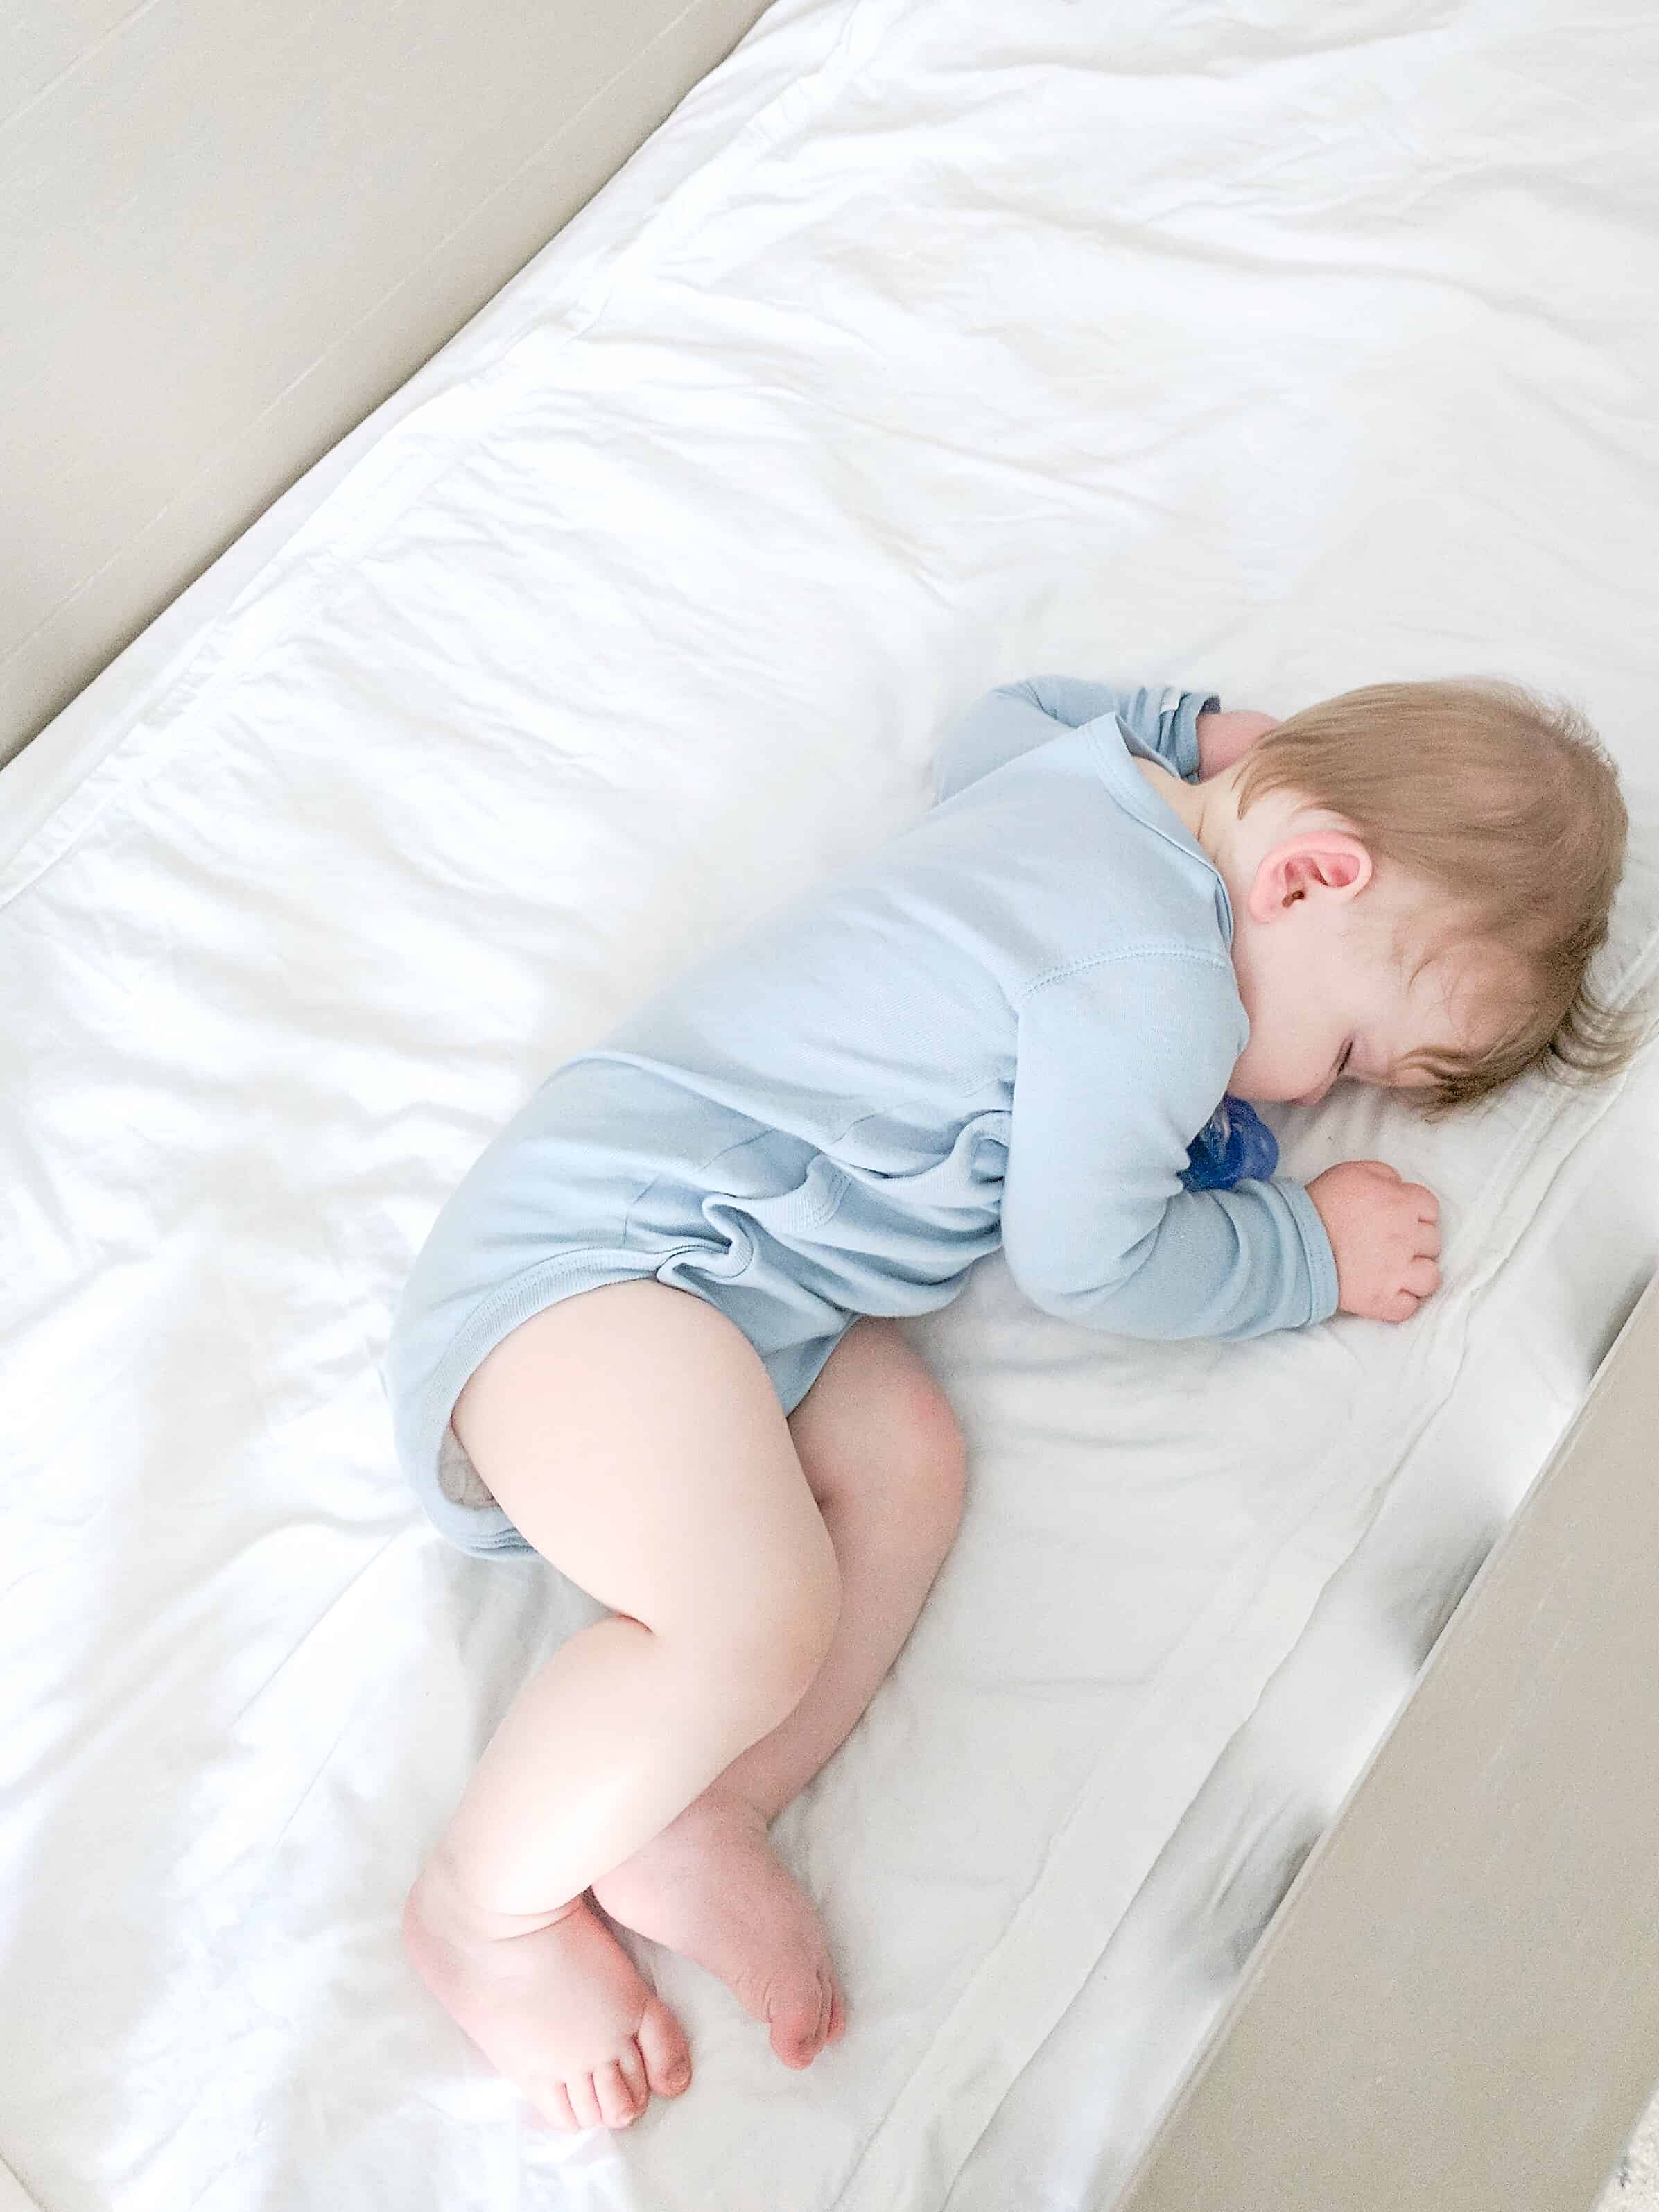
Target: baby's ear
{"type": "Point", "coordinates": [1327, 863]}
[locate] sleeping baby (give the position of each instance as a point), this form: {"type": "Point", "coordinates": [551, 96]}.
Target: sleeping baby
{"type": "Point", "coordinates": [654, 1335]}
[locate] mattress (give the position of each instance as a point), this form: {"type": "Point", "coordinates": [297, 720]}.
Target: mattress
{"type": "Point", "coordinates": [927, 345]}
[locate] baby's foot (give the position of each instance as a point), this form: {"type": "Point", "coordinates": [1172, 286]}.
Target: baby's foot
{"type": "Point", "coordinates": [561, 2010]}
{"type": "Point", "coordinates": [712, 1888]}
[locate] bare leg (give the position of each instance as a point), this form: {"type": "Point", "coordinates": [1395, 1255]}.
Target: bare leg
{"type": "Point", "coordinates": [881, 1450]}
{"type": "Point", "coordinates": [633, 1436]}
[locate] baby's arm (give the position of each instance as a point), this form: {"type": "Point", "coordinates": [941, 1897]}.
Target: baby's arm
{"type": "Point", "coordinates": [1119, 1060]}
{"type": "Point", "coordinates": [1015, 717]}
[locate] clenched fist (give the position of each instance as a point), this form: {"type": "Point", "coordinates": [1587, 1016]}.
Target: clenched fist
{"type": "Point", "coordinates": [1386, 1235]}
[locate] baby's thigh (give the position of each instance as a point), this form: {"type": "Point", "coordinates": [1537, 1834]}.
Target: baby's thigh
{"type": "Point", "coordinates": [633, 1436]}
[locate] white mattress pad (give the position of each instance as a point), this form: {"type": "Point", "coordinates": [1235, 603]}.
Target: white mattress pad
{"type": "Point", "coordinates": [927, 345]}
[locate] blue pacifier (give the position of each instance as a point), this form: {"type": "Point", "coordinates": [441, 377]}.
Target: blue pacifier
{"type": "Point", "coordinates": [1234, 1144]}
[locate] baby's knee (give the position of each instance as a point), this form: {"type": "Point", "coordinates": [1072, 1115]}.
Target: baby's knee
{"type": "Point", "coordinates": [875, 1433]}
{"type": "Point", "coordinates": [937, 1462]}
{"type": "Point", "coordinates": [923, 1465]}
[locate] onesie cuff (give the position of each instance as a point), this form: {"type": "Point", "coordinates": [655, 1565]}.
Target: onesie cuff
{"type": "Point", "coordinates": [1185, 730]}
{"type": "Point", "coordinates": [1316, 1245]}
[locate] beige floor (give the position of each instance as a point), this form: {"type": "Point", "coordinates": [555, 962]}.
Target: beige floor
{"type": "Point", "coordinates": [1634, 2186]}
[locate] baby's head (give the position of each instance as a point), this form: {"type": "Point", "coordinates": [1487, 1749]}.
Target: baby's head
{"type": "Point", "coordinates": [1420, 874]}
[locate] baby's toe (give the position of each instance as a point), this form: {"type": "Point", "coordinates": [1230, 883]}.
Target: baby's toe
{"type": "Point", "coordinates": [815, 2042]}
{"type": "Point", "coordinates": [663, 2047]}
{"type": "Point", "coordinates": [584, 2101]}
{"type": "Point", "coordinates": [795, 2019]}
{"type": "Point", "coordinates": [618, 2105]}
{"type": "Point", "coordinates": [632, 2069]}
{"type": "Point", "coordinates": [551, 2106]}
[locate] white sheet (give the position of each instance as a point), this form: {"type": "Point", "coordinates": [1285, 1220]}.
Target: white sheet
{"type": "Point", "coordinates": [927, 345]}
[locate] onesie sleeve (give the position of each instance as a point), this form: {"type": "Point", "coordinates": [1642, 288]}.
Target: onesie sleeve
{"type": "Point", "coordinates": [1120, 1061]}
{"type": "Point", "coordinates": [1012, 720]}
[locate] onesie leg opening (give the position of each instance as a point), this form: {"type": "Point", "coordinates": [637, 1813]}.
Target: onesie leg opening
{"type": "Point", "coordinates": [458, 1480]}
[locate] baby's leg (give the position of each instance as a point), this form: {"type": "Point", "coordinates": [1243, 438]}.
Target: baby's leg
{"type": "Point", "coordinates": [883, 1453]}
{"type": "Point", "coordinates": [633, 1436]}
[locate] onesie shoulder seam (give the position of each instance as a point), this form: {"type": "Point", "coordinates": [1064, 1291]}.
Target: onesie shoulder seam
{"type": "Point", "coordinates": [1150, 949]}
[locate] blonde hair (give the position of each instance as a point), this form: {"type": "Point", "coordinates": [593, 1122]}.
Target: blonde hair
{"type": "Point", "coordinates": [1505, 805]}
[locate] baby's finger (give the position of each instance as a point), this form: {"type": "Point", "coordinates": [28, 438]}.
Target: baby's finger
{"type": "Point", "coordinates": [1421, 1277]}
{"type": "Point", "coordinates": [1426, 1241]}
{"type": "Point", "coordinates": [1427, 1205]}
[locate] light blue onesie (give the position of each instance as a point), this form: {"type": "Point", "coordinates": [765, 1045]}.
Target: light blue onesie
{"type": "Point", "coordinates": [1006, 1024]}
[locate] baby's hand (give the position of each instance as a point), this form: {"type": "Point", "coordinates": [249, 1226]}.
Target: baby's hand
{"type": "Point", "coordinates": [1225, 737]}
{"type": "Point", "coordinates": [1386, 1235]}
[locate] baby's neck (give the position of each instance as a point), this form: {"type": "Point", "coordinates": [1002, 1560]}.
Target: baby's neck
{"type": "Point", "coordinates": [1208, 810]}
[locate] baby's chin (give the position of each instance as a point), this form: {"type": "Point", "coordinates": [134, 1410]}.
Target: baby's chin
{"type": "Point", "coordinates": [1267, 1093]}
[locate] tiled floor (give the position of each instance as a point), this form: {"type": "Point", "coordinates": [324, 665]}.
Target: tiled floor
{"type": "Point", "coordinates": [1634, 2186]}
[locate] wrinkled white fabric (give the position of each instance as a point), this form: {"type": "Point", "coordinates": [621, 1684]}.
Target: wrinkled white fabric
{"type": "Point", "coordinates": [930, 343]}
